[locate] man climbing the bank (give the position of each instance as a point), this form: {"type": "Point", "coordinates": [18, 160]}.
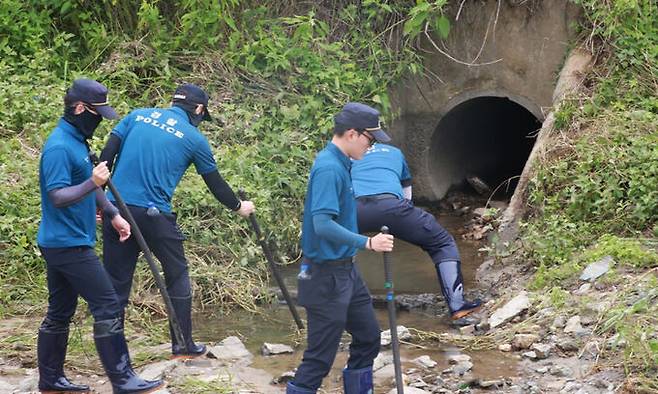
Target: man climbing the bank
{"type": "Point", "coordinates": [382, 186]}
{"type": "Point", "coordinates": [153, 148]}
{"type": "Point", "coordinates": [70, 193]}
{"type": "Point", "coordinates": [330, 286]}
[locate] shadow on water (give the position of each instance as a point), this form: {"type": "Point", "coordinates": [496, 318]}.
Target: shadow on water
{"type": "Point", "coordinates": [413, 273]}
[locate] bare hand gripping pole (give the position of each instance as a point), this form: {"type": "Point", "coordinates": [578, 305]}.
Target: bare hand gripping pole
{"type": "Point", "coordinates": [270, 262]}
{"type": "Point", "coordinates": [390, 301]}
{"type": "Point", "coordinates": [134, 229]}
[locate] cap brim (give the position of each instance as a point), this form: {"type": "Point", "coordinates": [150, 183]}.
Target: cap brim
{"type": "Point", "coordinates": [380, 135]}
{"type": "Point", "coordinates": [107, 112]}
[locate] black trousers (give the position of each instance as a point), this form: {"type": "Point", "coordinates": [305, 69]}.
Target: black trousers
{"type": "Point", "coordinates": [336, 299]}
{"type": "Point", "coordinates": [73, 272]}
{"type": "Point", "coordinates": [165, 240]}
{"type": "Point", "coordinates": [408, 223]}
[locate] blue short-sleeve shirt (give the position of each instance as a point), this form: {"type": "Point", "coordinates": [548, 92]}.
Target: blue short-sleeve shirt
{"type": "Point", "coordinates": [65, 162]}
{"type": "Point", "coordinates": [157, 147]}
{"type": "Point", "coordinates": [330, 192]}
{"type": "Point", "coordinates": [381, 170]}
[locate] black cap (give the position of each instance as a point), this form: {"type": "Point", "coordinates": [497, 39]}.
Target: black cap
{"type": "Point", "coordinates": [192, 94]}
{"type": "Point", "coordinates": [361, 117]}
{"type": "Point", "coordinates": [93, 93]}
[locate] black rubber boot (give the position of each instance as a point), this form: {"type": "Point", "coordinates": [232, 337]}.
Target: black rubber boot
{"type": "Point", "coordinates": [452, 287]}
{"type": "Point", "coordinates": [51, 352]}
{"type": "Point", "coordinates": [113, 352]}
{"type": "Point", "coordinates": [183, 309]}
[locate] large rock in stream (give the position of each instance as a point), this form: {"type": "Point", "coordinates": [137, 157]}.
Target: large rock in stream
{"type": "Point", "coordinates": [513, 308]}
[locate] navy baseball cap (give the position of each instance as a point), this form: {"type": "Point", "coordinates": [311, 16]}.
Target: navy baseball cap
{"type": "Point", "coordinates": [192, 94]}
{"type": "Point", "coordinates": [361, 117]}
{"type": "Point", "coordinates": [93, 93]}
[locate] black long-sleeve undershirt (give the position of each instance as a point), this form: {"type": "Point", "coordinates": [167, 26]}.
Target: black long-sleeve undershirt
{"type": "Point", "coordinates": [65, 196]}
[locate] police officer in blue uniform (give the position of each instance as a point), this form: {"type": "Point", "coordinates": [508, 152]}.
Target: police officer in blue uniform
{"type": "Point", "coordinates": [70, 193]}
{"type": "Point", "coordinates": [382, 186]}
{"type": "Point", "coordinates": [153, 148]}
{"type": "Point", "coordinates": [330, 287]}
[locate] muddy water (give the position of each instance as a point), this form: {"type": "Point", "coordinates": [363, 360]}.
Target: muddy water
{"type": "Point", "coordinates": [413, 273]}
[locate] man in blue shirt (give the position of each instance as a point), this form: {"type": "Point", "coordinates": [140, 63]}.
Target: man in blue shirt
{"type": "Point", "coordinates": [153, 149]}
{"type": "Point", "coordinates": [382, 185]}
{"type": "Point", "coordinates": [70, 193]}
{"type": "Point", "coordinates": [330, 287]}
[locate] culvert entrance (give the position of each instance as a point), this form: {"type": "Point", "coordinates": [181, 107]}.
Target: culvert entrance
{"type": "Point", "coordinates": [485, 137]}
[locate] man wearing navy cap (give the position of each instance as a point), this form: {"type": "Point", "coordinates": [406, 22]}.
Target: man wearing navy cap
{"type": "Point", "coordinates": [153, 149]}
{"type": "Point", "coordinates": [330, 287]}
{"type": "Point", "coordinates": [70, 193]}
{"type": "Point", "coordinates": [382, 186]}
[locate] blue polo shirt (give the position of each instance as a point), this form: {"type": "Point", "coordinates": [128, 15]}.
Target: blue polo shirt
{"type": "Point", "coordinates": [65, 162]}
{"type": "Point", "coordinates": [329, 192]}
{"type": "Point", "coordinates": [157, 147]}
{"type": "Point", "coordinates": [381, 170]}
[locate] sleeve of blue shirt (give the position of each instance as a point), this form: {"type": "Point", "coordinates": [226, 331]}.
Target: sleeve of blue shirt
{"type": "Point", "coordinates": [56, 168]}
{"type": "Point", "coordinates": [122, 128]}
{"type": "Point", "coordinates": [325, 206]}
{"type": "Point", "coordinates": [405, 176]}
{"type": "Point", "coordinates": [203, 159]}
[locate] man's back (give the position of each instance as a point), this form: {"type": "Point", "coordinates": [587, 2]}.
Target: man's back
{"type": "Point", "coordinates": [380, 171]}
{"type": "Point", "coordinates": [158, 145]}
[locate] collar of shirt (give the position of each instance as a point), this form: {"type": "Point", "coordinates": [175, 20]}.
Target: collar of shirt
{"type": "Point", "coordinates": [342, 157]}
{"type": "Point", "coordinates": [70, 129]}
{"type": "Point", "coordinates": [180, 112]}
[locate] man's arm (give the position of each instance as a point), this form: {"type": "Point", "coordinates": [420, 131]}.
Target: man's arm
{"type": "Point", "coordinates": [221, 190]}
{"type": "Point", "coordinates": [65, 196]}
{"type": "Point", "coordinates": [326, 227]}
{"type": "Point", "coordinates": [111, 149]}
{"type": "Point", "coordinates": [105, 205]}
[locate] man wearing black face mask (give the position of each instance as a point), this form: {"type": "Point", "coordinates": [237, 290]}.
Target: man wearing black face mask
{"type": "Point", "coordinates": [153, 149]}
{"type": "Point", "coordinates": [70, 193]}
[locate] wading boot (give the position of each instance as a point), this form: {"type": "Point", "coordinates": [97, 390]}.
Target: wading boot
{"type": "Point", "coordinates": [292, 389]}
{"type": "Point", "coordinates": [51, 352]}
{"type": "Point", "coordinates": [183, 309]}
{"type": "Point", "coordinates": [452, 287]}
{"type": "Point", "coordinates": [357, 381]}
{"type": "Point", "coordinates": [113, 352]}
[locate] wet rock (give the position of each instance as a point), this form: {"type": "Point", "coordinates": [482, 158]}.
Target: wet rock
{"type": "Point", "coordinates": [284, 377]}
{"type": "Point", "coordinates": [383, 359]}
{"type": "Point", "coordinates": [198, 363]}
{"type": "Point", "coordinates": [403, 334]}
{"type": "Point", "coordinates": [597, 268]}
{"type": "Point", "coordinates": [583, 289]}
{"type": "Point", "coordinates": [491, 384]}
{"type": "Point", "coordinates": [478, 185]}
{"type": "Point", "coordinates": [458, 358]}
{"type": "Point", "coordinates": [157, 370]}
{"type": "Point", "coordinates": [543, 369]}
{"type": "Point", "coordinates": [561, 371]}
{"type": "Point", "coordinates": [270, 349]}
{"type": "Point", "coordinates": [410, 390]}
{"type": "Point", "coordinates": [567, 344]}
{"type": "Point", "coordinates": [531, 355]}
{"type": "Point", "coordinates": [541, 350]}
{"type": "Point", "coordinates": [467, 330]}
{"type": "Point", "coordinates": [425, 362]}
{"type": "Point", "coordinates": [385, 373]}
{"type": "Point", "coordinates": [573, 326]}
{"type": "Point", "coordinates": [29, 384]}
{"type": "Point", "coordinates": [462, 367]}
{"type": "Point", "coordinates": [415, 301]}
{"type": "Point", "coordinates": [559, 322]}
{"type": "Point", "coordinates": [524, 341]}
{"type": "Point", "coordinates": [510, 310]}
{"type": "Point", "coordinates": [5, 387]}
{"type": "Point", "coordinates": [479, 211]}
{"type": "Point", "coordinates": [591, 350]}
{"type": "Point", "coordinates": [570, 387]}
{"type": "Point", "coordinates": [230, 348]}
{"type": "Point", "coordinates": [505, 347]}
{"type": "Point", "coordinates": [483, 325]}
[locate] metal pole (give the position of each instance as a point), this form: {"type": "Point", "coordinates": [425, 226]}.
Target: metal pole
{"type": "Point", "coordinates": [390, 301]}
{"type": "Point", "coordinates": [134, 229]}
{"type": "Point", "coordinates": [270, 261]}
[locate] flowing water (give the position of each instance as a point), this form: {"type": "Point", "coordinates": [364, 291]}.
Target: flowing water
{"type": "Point", "coordinates": [413, 273]}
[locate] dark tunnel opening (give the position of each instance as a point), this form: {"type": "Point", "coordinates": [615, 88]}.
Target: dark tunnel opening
{"type": "Point", "coordinates": [486, 137]}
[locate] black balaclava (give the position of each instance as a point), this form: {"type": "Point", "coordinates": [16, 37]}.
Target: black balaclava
{"type": "Point", "coordinates": [85, 122]}
{"type": "Point", "coordinates": [189, 109]}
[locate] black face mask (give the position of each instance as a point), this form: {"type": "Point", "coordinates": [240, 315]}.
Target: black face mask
{"type": "Point", "coordinates": [189, 109]}
{"type": "Point", "coordinates": [85, 122]}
